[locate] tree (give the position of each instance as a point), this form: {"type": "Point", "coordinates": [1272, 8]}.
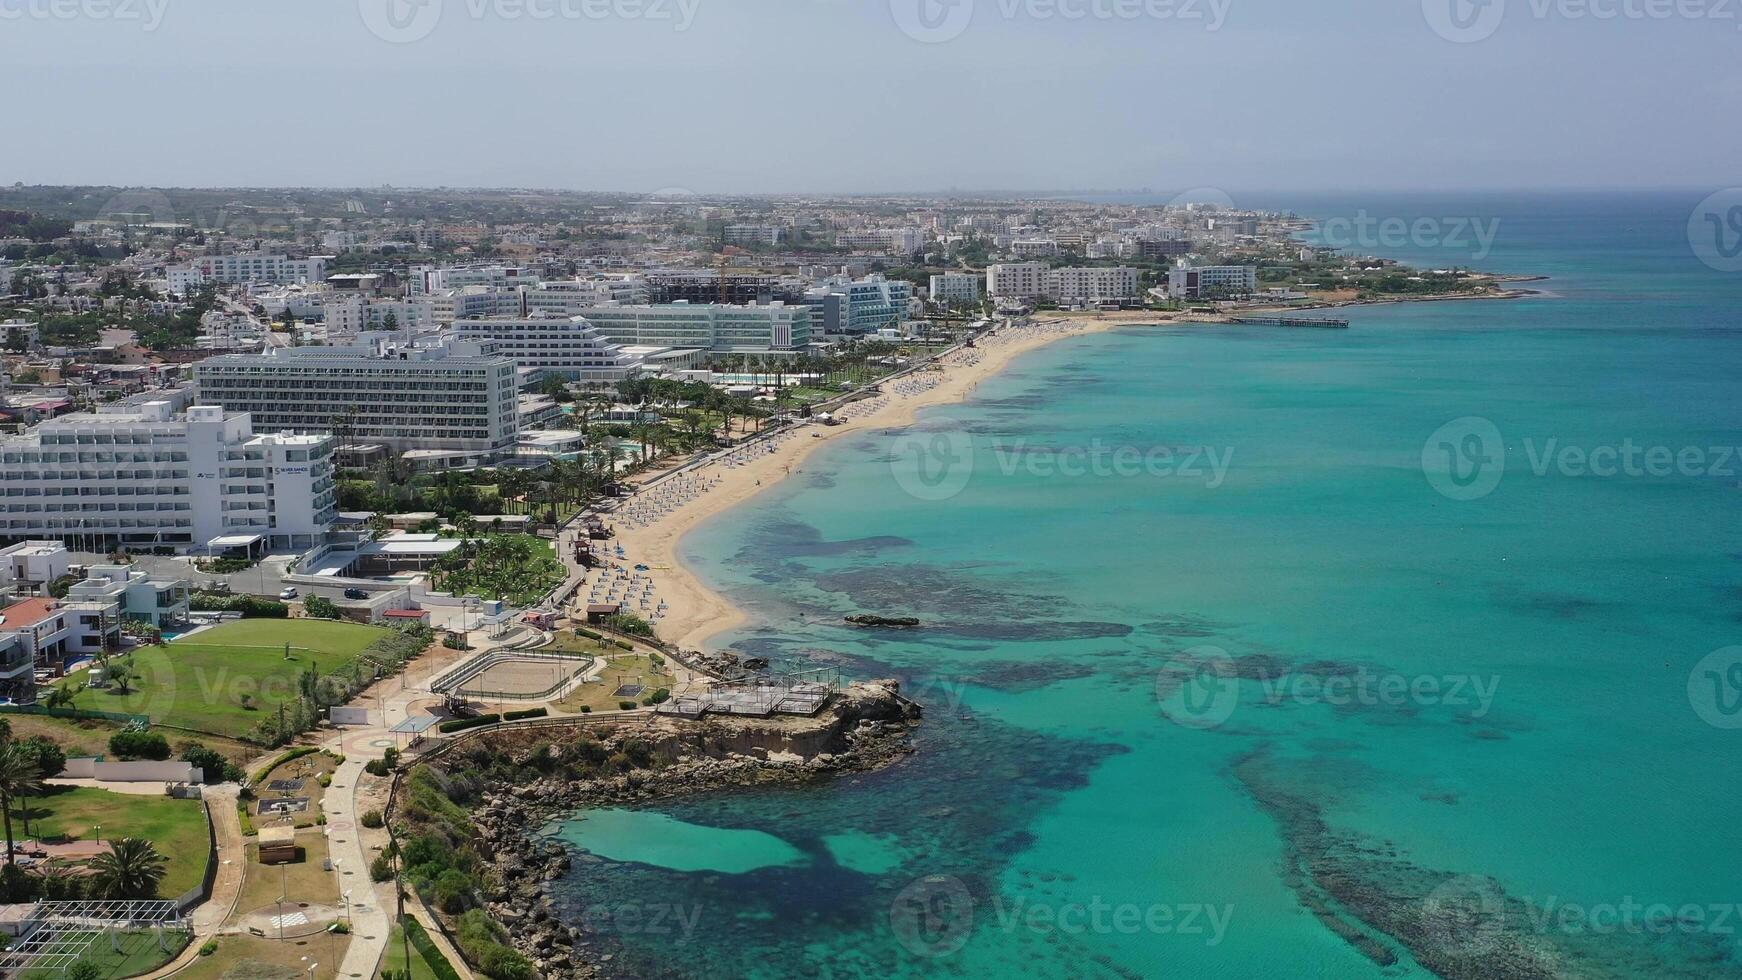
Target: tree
{"type": "Point", "coordinates": [119, 673]}
{"type": "Point", "coordinates": [132, 869]}
{"type": "Point", "coordinates": [20, 777]}
{"type": "Point", "coordinates": [320, 607]}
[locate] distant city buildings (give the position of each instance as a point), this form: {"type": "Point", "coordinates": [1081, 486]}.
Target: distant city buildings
{"type": "Point", "coordinates": [246, 267]}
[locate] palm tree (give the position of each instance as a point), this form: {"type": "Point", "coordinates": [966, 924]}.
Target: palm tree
{"type": "Point", "coordinates": [20, 776]}
{"type": "Point", "coordinates": [132, 869]}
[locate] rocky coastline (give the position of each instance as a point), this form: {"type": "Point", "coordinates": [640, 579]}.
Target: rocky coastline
{"type": "Point", "coordinates": [866, 727]}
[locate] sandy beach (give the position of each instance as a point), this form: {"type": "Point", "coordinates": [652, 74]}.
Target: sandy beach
{"type": "Point", "coordinates": [650, 525]}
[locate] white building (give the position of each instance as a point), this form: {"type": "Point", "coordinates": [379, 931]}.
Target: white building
{"type": "Point", "coordinates": [1030, 248]}
{"type": "Point", "coordinates": [1016, 280]}
{"type": "Point", "coordinates": [1093, 284]}
{"type": "Point", "coordinates": [243, 268]}
{"type": "Point", "coordinates": [136, 595]}
{"type": "Point", "coordinates": [433, 279]}
{"type": "Point", "coordinates": [955, 288]}
{"type": "Point", "coordinates": [1073, 286]}
{"type": "Point", "coordinates": [853, 307]}
{"type": "Point", "coordinates": [457, 397]}
{"type": "Point", "coordinates": [20, 335]}
{"type": "Point", "coordinates": [1212, 281]}
{"type": "Point", "coordinates": [754, 234]}
{"type": "Point", "coordinates": [895, 240]}
{"type": "Point", "coordinates": [753, 328]}
{"type": "Point", "coordinates": [350, 315]}
{"type": "Point", "coordinates": [150, 479]}
{"type": "Point", "coordinates": [567, 346]}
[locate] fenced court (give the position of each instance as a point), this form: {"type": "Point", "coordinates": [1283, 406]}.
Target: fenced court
{"type": "Point", "coordinates": [512, 675]}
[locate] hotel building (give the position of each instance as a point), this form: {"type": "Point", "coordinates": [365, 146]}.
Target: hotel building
{"type": "Point", "coordinates": [150, 479]}
{"type": "Point", "coordinates": [459, 397]}
{"type": "Point", "coordinates": [721, 329]}
{"type": "Point", "coordinates": [567, 346]}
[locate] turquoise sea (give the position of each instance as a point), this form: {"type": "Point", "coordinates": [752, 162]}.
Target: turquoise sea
{"type": "Point", "coordinates": [1302, 716]}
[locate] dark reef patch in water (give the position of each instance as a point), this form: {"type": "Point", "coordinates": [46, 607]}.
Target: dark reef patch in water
{"type": "Point", "coordinates": [822, 918]}
{"type": "Point", "coordinates": [795, 539]}
{"type": "Point", "coordinates": [1459, 926]}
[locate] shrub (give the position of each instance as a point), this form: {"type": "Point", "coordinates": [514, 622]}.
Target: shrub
{"type": "Point", "coordinates": [381, 869]}
{"type": "Point", "coordinates": [461, 724]}
{"type": "Point", "coordinates": [626, 705]}
{"type": "Point", "coordinates": [586, 709]}
{"type": "Point", "coordinates": [453, 891]}
{"type": "Point", "coordinates": [296, 753]}
{"type": "Point", "coordinates": [208, 947]}
{"type": "Point", "coordinates": [528, 713]}
{"type": "Point", "coordinates": [660, 696]}
{"type": "Point", "coordinates": [589, 634]}
{"type": "Point", "coordinates": [321, 607]}
{"type": "Point", "coordinates": [216, 768]}
{"type": "Point", "coordinates": [372, 820]}
{"type": "Point", "coordinates": [84, 970]}
{"type": "Point", "coordinates": [251, 607]}
{"type": "Point", "coordinates": [135, 743]}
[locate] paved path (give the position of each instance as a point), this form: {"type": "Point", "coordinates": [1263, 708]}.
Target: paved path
{"type": "Point", "coordinates": [209, 916]}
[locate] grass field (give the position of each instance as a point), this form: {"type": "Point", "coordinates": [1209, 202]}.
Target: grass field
{"type": "Point", "coordinates": [84, 736]}
{"type": "Point", "coordinates": [245, 957]}
{"type": "Point", "coordinates": [140, 952]}
{"type": "Point", "coordinates": [627, 668]}
{"type": "Point", "coordinates": [201, 683]}
{"type": "Point", "coordinates": [300, 881]}
{"type": "Point", "coordinates": [177, 827]}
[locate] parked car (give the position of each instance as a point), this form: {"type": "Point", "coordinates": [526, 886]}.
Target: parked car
{"type": "Point", "coordinates": [287, 594]}
{"type": "Point", "coordinates": [356, 594]}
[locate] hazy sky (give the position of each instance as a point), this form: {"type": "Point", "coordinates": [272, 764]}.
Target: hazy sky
{"type": "Point", "coordinates": [874, 95]}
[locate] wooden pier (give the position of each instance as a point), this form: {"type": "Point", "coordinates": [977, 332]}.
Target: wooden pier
{"type": "Point", "coordinates": [1311, 322]}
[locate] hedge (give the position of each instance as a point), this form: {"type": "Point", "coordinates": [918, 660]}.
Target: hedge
{"type": "Point", "coordinates": [461, 724]}
{"type": "Point", "coordinates": [438, 964]}
{"type": "Point", "coordinates": [281, 760]}
{"type": "Point", "coordinates": [528, 713]}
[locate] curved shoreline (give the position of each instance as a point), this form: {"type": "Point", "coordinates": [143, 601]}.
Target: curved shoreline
{"type": "Point", "coordinates": [696, 614]}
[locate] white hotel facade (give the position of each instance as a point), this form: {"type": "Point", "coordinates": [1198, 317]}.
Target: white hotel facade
{"type": "Point", "coordinates": [245, 267]}
{"type": "Point", "coordinates": [152, 479]}
{"type": "Point", "coordinates": [754, 328]}
{"type": "Point", "coordinates": [1088, 284]}
{"type": "Point", "coordinates": [456, 398]}
{"type": "Point", "coordinates": [566, 346]}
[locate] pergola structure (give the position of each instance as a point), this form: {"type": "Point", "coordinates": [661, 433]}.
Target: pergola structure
{"type": "Point", "coordinates": [55, 935]}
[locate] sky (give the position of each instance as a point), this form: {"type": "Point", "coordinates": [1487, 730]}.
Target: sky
{"type": "Point", "coordinates": [873, 96]}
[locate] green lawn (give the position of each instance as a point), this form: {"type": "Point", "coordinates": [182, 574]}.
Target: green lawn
{"type": "Point", "coordinates": [140, 952]}
{"type": "Point", "coordinates": [395, 959]}
{"type": "Point", "coordinates": [177, 827]}
{"type": "Point", "coordinates": [200, 684]}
